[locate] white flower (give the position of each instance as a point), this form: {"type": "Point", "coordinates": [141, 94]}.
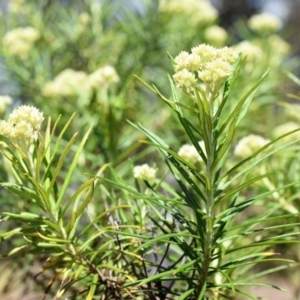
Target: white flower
{"type": "Point", "coordinates": [249, 144]}
{"type": "Point", "coordinates": [264, 23]}
{"type": "Point", "coordinates": [4, 102]}
{"type": "Point", "coordinates": [190, 154]}
{"type": "Point", "coordinates": [22, 126]}
{"type": "Point", "coordinates": [28, 114]}
{"type": "Point", "coordinates": [285, 128]}
{"type": "Point", "coordinates": [216, 35]}
{"type": "Point", "coordinates": [144, 172]}
{"type": "Point", "coordinates": [215, 72]}
{"type": "Point", "coordinates": [185, 79]}
{"type": "Point", "coordinates": [195, 11]}
{"type": "Point", "coordinates": [20, 41]}
{"type": "Point", "coordinates": [84, 18]}
{"type": "Point", "coordinates": [213, 66]}
{"type": "Point", "coordinates": [103, 77]}
{"type": "Point", "coordinates": [249, 51]}
{"type": "Point", "coordinates": [18, 7]}
{"type": "Point", "coordinates": [280, 46]}
{"type": "Point", "coordinates": [68, 83]}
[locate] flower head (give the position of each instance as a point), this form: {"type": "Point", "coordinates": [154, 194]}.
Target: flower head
{"type": "Point", "coordinates": [264, 23]}
{"type": "Point", "coordinates": [185, 79]}
{"type": "Point", "coordinates": [250, 51]}
{"type": "Point", "coordinates": [68, 83]}
{"type": "Point", "coordinates": [280, 46]}
{"type": "Point", "coordinates": [196, 12]}
{"type": "Point", "coordinates": [19, 41]}
{"type": "Point", "coordinates": [249, 144]}
{"type": "Point", "coordinates": [211, 65]}
{"type": "Point", "coordinates": [190, 154]}
{"type": "Point", "coordinates": [216, 35]}
{"type": "Point", "coordinates": [22, 126]}
{"type": "Point", "coordinates": [285, 128]}
{"type": "Point", "coordinates": [103, 77]}
{"type": "Point", "coordinates": [144, 172]}
{"type": "Point", "coordinates": [4, 102]}
{"type": "Point", "coordinates": [18, 7]}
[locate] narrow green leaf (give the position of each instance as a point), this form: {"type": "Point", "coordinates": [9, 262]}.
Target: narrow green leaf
{"type": "Point", "coordinates": [24, 191]}
{"type": "Point", "coordinates": [242, 106]}
{"type": "Point", "coordinates": [239, 188]}
{"type": "Point", "coordinates": [78, 213]}
{"type": "Point", "coordinates": [171, 272]}
{"type": "Point", "coordinates": [153, 137]}
{"type": "Point", "coordinates": [53, 239]}
{"type": "Point", "coordinates": [71, 170]}
{"type": "Point", "coordinates": [93, 286]}
{"type": "Point", "coordinates": [81, 189]}
{"type": "Point", "coordinates": [60, 163]}
{"type": "Point", "coordinates": [174, 96]}
{"type": "Point", "coordinates": [186, 294]}
{"type": "Point", "coordinates": [293, 78]}
{"type": "Point", "coordinates": [254, 284]}
{"type": "Point", "coordinates": [203, 290]}
{"type": "Point", "coordinates": [40, 191]}
{"type": "Point", "coordinates": [16, 250]}
{"type": "Point", "coordinates": [228, 88]}
{"type": "Point", "coordinates": [224, 146]}
{"type": "Point", "coordinates": [256, 162]}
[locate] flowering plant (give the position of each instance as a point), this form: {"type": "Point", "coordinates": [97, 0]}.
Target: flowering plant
{"type": "Point", "coordinates": [199, 208]}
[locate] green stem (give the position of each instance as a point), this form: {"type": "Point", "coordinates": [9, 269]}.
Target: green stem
{"type": "Point", "coordinates": [209, 192]}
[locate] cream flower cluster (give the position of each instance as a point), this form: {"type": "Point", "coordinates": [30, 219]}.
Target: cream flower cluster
{"type": "Point", "coordinates": [4, 102]}
{"type": "Point", "coordinates": [216, 35]}
{"type": "Point", "coordinates": [211, 65]}
{"type": "Point", "coordinates": [19, 41]}
{"type": "Point", "coordinates": [264, 23]}
{"type": "Point", "coordinates": [22, 126]}
{"type": "Point", "coordinates": [285, 128]}
{"type": "Point", "coordinates": [144, 172]}
{"type": "Point", "coordinates": [18, 7]}
{"type": "Point", "coordinates": [190, 154]}
{"type": "Point", "coordinates": [249, 50]}
{"type": "Point", "coordinates": [249, 144]}
{"type": "Point", "coordinates": [103, 77]}
{"type": "Point", "coordinates": [280, 46]}
{"type": "Point", "coordinates": [71, 83]}
{"type": "Point", "coordinates": [68, 83]}
{"type": "Point", "coordinates": [198, 11]}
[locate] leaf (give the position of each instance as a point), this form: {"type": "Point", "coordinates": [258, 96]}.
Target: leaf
{"type": "Point", "coordinates": [256, 162]}
{"type": "Point", "coordinates": [228, 88]}
{"type": "Point", "coordinates": [293, 78]}
{"type": "Point", "coordinates": [79, 211]}
{"type": "Point", "coordinates": [240, 110]}
{"type": "Point", "coordinates": [40, 191]}
{"type": "Point", "coordinates": [224, 146]}
{"type": "Point", "coordinates": [174, 271]}
{"type": "Point", "coordinates": [254, 284]}
{"type": "Point", "coordinates": [24, 191]}
{"type": "Point", "coordinates": [72, 168]}
{"type": "Point", "coordinates": [93, 286]}
{"type": "Point", "coordinates": [153, 137]}
{"type": "Point", "coordinates": [185, 294]}
{"type": "Point", "coordinates": [16, 250]}
{"type": "Point", "coordinates": [82, 188]}
{"type": "Point", "coordinates": [34, 222]}
{"type": "Point", "coordinates": [60, 163]}
{"type": "Point", "coordinates": [174, 96]}
{"type": "Point", "coordinates": [242, 186]}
